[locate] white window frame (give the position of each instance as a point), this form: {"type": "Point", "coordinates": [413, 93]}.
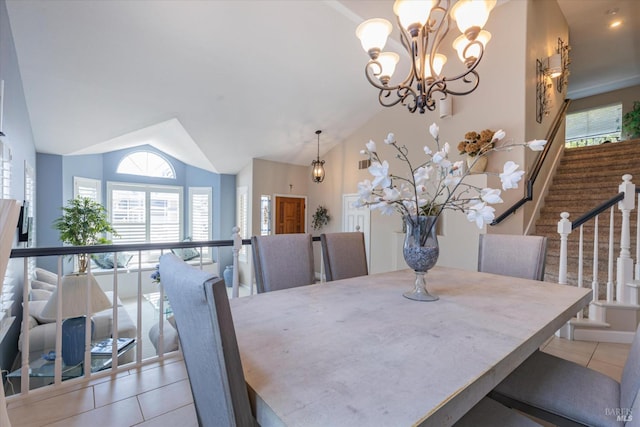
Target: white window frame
{"type": "Point", "coordinates": [209, 193]}
{"type": "Point", "coordinates": [147, 189]}
{"type": "Point", "coordinates": [242, 219]}
{"type": "Point", "coordinates": [95, 184]}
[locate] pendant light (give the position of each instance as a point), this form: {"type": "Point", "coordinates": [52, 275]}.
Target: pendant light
{"type": "Point", "coordinates": [317, 174]}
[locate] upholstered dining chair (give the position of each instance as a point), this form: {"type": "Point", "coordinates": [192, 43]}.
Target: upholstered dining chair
{"type": "Point", "coordinates": [203, 317]}
{"type": "Point", "coordinates": [567, 394]}
{"type": "Point", "coordinates": [282, 261]}
{"type": "Point", "coordinates": [512, 255]}
{"type": "Point", "coordinates": [344, 255]}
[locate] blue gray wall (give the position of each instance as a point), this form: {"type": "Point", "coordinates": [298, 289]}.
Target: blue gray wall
{"type": "Point", "coordinates": [55, 178]}
{"type": "Point", "coordinates": [17, 128]}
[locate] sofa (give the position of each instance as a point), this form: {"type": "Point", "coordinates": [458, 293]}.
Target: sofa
{"type": "Point", "coordinates": [42, 331]}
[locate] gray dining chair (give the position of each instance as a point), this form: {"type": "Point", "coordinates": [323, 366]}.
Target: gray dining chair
{"type": "Point", "coordinates": [567, 394]}
{"type": "Point", "coordinates": [208, 340]}
{"type": "Point", "coordinates": [512, 255]}
{"type": "Point", "coordinates": [282, 261]}
{"type": "Point", "coordinates": [489, 413]}
{"type": "Point", "coordinates": [344, 255]}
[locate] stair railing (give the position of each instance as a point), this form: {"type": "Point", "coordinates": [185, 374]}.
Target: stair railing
{"type": "Point", "coordinates": [626, 201]}
{"type": "Point", "coordinates": [535, 171]}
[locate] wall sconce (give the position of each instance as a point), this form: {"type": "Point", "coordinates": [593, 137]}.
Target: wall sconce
{"type": "Point", "coordinates": [543, 98]}
{"type": "Point", "coordinates": [554, 67]}
{"type": "Point", "coordinates": [562, 52]}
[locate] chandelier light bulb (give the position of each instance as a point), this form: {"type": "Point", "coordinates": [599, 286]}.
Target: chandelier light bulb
{"type": "Point", "coordinates": [438, 62]}
{"type": "Point", "coordinates": [373, 35]}
{"type": "Point", "coordinates": [413, 14]}
{"type": "Point", "coordinates": [388, 62]}
{"type": "Point", "coordinates": [461, 43]}
{"type": "Point", "coordinates": [471, 15]}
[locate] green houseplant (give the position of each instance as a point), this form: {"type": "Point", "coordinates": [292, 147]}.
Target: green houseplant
{"type": "Point", "coordinates": [320, 218]}
{"type": "Point", "coordinates": [631, 122]}
{"type": "Point", "coordinates": [83, 223]}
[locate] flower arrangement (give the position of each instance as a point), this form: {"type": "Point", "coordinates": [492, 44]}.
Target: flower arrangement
{"type": "Point", "coordinates": [475, 143]}
{"type": "Point", "coordinates": [436, 183]}
{"type": "Point", "coordinates": [155, 276]}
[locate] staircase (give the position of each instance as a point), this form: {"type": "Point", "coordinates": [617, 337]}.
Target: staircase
{"type": "Point", "coordinates": [585, 178]}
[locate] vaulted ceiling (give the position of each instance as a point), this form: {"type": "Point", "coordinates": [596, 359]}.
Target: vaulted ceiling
{"type": "Point", "coordinates": [216, 83]}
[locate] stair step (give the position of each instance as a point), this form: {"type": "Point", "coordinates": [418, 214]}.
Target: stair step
{"type": "Point", "coordinates": [588, 323]}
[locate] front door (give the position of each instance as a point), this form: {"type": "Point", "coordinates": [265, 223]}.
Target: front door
{"type": "Point", "coordinates": [290, 212]}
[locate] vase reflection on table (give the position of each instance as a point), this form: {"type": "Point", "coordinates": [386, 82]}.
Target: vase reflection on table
{"type": "Point", "coordinates": [420, 251]}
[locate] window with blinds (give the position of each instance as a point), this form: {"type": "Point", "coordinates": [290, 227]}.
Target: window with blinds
{"type": "Point", "coordinates": [242, 209]}
{"type": "Point", "coordinates": [87, 187]}
{"type": "Point", "coordinates": [5, 170]}
{"type": "Point", "coordinates": [145, 214]}
{"type": "Point", "coordinates": [200, 215]}
{"type": "Point", "coordinates": [594, 126]}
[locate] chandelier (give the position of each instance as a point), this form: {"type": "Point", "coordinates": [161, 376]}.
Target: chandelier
{"type": "Point", "coordinates": [317, 173]}
{"type": "Point", "coordinates": [423, 26]}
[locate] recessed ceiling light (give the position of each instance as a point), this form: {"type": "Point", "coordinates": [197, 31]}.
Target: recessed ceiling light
{"type": "Point", "coordinates": [615, 24]}
{"type": "Point", "coordinates": [612, 11]}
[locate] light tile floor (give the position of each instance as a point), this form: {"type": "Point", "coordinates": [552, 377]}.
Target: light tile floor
{"type": "Point", "coordinates": [159, 395]}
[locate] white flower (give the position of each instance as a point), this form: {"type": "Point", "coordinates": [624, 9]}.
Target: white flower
{"type": "Point", "coordinates": [427, 150]}
{"type": "Point", "coordinates": [434, 130]}
{"type": "Point", "coordinates": [364, 189]}
{"type": "Point", "coordinates": [380, 173]}
{"type": "Point", "coordinates": [371, 146]}
{"type": "Point", "coordinates": [498, 135]}
{"type": "Point", "coordinates": [384, 208]}
{"type": "Point", "coordinates": [391, 194]}
{"type": "Point", "coordinates": [441, 155]}
{"type": "Point", "coordinates": [390, 139]}
{"type": "Point", "coordinates": [421, 175]}
{"type": "Point", "coordinates": [510, 175]}
{"type": "Point", "coordinates": [363, 152]}
{"type": "Point", "coordinates": [481, 214]}
{"type": "Point", "coordinates": [537, 144]}
{"type": "Point", "coordinates": [490, 195]}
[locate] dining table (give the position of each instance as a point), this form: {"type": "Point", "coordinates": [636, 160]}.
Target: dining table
{"type": "Point", "coordinates": [355, 352]}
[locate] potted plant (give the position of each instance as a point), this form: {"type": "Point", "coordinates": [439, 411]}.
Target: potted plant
{"type": "Point", "coordinates": [83, 223]}
{"type": "Point", "coordinates": [320, 218]}
{"type": "Point", "coordinates": [631, 122]}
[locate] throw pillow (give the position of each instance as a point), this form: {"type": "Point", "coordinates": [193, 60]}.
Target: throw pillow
{"type": "Point", "coordinates": [105, 260]}
{"type": "Point", "coordinates": [46, 276]}
{"type": "Point", "coordinates": [186, 253]}
{"type": "Point", "coordinates": [37, 284]}
{"type": "Point", "coordinates": [35, 308]}
{"type": "Point", "coordinates": [39, 295]}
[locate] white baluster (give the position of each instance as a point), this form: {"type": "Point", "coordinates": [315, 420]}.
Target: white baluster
{"type": "Point", "coordinates": [564, 229]}
{"type": "Point", "coordinates": [114, 315]}
{"type": "Point", "coordinates": [637, 276]}
{"type": "Point", "coordinates": [580, 263]}
{"type": "Point", "coordinates": [610, 261]}
{"type": "Point", "coordinates": [625, 263]}
{"type": "Point", "coordinates": [595, 285]}
{"type": "Point", "coordinates": [237, 245]}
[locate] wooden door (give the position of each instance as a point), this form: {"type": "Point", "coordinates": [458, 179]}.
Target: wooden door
{"type": "Point", "coordinates": [289, 216]}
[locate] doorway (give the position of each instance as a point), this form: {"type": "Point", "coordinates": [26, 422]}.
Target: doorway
{"type": "Point", "coordinates": [290, 214]}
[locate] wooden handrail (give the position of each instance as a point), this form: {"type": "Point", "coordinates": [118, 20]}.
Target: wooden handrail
{"type": "Point", "coordinates": [533, 175]}
{"type": "Point", "coordinates": [597, 210]}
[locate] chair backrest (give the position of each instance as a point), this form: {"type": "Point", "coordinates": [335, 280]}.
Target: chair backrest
{"type": "Point", "coordinates": [282, 261]}
{"type": "Point", "coordinates": [512, 255]}
{"type": "Point", "coordinates": [344, 255]}
{"type": "Point", "coordinates": [203, 318]}
{"type": "Point", "coordinates": [630, 382]}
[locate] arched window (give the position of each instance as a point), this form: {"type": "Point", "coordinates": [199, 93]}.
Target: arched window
{"type": "Point", "coordinates": [146, 163]}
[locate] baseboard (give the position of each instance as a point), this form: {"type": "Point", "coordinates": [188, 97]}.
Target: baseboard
{"type": "Point", "coordinates": [621, 337]}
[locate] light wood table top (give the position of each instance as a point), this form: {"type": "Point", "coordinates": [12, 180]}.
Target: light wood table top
{"type": "Point", "coordinates": [355, 352]}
